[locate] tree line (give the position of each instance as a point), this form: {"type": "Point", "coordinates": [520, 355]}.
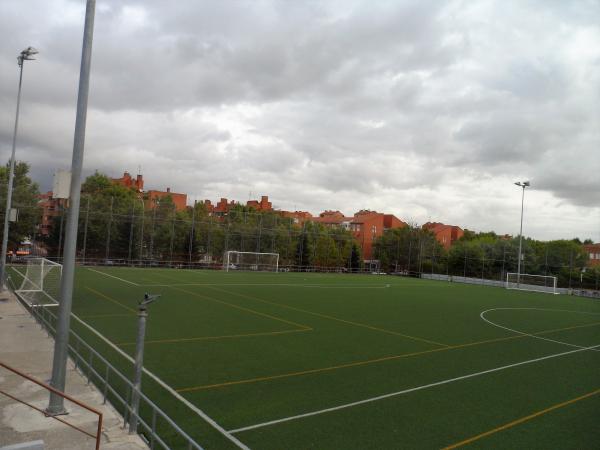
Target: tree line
{"type": "Point", "coordinates": [120, 225]}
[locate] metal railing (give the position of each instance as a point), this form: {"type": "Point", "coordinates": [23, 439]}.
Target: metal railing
{"type": "Point", "coordinates": [97, 437]}
{"type": "Point", "coordinates": [116, 387]}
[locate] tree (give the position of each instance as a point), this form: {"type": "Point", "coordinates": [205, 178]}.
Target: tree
{"type": "Point", "coordinates": [107, 211]}
{"type": "Point", "coordinates": [24, 199]}
{"type": "Point", "coordinates": [303, 251]}
{"type": "Point", "coordinates": [408, 248]}
{"type": "Point", "coordinates": [355, 257]}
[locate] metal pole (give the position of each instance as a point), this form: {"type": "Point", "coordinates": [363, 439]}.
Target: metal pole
{"type": "Point", "coordinates": [110, 217]}
{"type": "Point", "coordinates": [85, 230]}
{"type": "Point", "coordinates": [60, 230]}
{"type": "Point", "coordinates": [59, 365]}
{"type": "Point", "coordinates": [131, 231]}
{"type": "Point", "coordinates": [520, 239]}
{"type": "Point", "coordinates": [142, 233]}
{"type": "Point", "coordinates": [11, 175]}
{"type": "Point", "coordinates": [172, 237]}
{"type": "Point", "coordinates": [192, 234]}
{"type": "Point", "coordinates": [139, 361]}
{"type": "Point", "coordinates": [153, 227]}
{"type": "Point", "coordinates": [137, 369]}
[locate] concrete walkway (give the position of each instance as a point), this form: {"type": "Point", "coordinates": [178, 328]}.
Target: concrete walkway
{"type": "Point", "coordinates": [26, 347]}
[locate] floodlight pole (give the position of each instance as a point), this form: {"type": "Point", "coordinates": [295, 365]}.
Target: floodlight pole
{"type": "Point", "coordinates": [59, 364]}
{"type": "Point", "coordinates": [139, 361]}
{"type": "Point", "coordinates": [523, 185]}
{"type": "Point", "coordinates": [26, 55]}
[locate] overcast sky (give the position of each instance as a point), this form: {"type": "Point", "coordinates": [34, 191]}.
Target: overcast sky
{"type": "Point", "coordinates": [429, 110]}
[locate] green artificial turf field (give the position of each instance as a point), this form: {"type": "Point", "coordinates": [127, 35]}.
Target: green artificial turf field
{"type": "Point", "coordinates": [297, 361]}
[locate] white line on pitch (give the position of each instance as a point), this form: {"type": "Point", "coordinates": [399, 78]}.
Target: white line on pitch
{"type": "Point", "coordinates": [482, 316]}
{"type": "Point", "coordinates": [168, 388]}
{"type": "Point", "coordinates": [406, 391]}
{"type": "Point", "coordinates": [112, 276]}
{"type": "Point", "coordinates": [321, 286]}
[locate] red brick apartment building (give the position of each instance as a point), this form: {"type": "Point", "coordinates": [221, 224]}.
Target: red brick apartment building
{"type": "Point", "coordinates": [365, 226]}
{"type": "Point", "coordinates": [152, 198]}
{"type": "Point", "coordinates": [127, 181]}
{"type": "Point", "coordinates": [593, 252]}
{"type": "Point", "coordinates": [445, 234]}
{"type": "Point", "coordinates": [52, 207]}
{"type": "Point", "coordinates": [298, 217]}
{"type": "Point", "coordinates": [223, 206]}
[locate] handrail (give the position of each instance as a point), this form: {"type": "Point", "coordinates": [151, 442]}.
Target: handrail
{"type": "Point", "coordinates": [43, 315]}
{"type": "Point", "coordinates": [96, 436]}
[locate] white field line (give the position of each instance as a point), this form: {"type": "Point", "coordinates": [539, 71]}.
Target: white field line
{"type": "Point", "coordinates": [168, 388]}
{"type": "Point", "coordinates": [321, 286]}
{"type": "Point", "coordinates": [406, 391]}
{"type": "Point", "coordinates": [112, 276]}
{"type": "Point", "coordinates": [482, 315]}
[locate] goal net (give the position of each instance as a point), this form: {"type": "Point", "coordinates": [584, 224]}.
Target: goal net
{"type": "Point", "coordinates": [40, 284]}
{"type": "Point", "coordinates": [526, 282]}
{"type": "Point", "coordinates": [265, 262]}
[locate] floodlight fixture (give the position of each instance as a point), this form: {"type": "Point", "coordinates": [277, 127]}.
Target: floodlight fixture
{"type": "Point", "coordinates": [27, 55]}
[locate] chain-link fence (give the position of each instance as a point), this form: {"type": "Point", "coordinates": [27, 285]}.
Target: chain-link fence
{"type": "Point", "coordinates": [131, 231]}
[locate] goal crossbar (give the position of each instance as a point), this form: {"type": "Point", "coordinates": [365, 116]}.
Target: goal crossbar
{"type": "Point", "coordinates": [255, 261]}
{"type": "Point", "coordinates": [529, 282]}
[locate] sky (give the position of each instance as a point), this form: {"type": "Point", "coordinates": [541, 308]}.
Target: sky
{"type": "Point", "coordinates": [429, 110]}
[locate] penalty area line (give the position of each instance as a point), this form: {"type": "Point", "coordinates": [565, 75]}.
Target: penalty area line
{"type": "Point", "coordinates": [407, 391]}
{"type": "Point", "coordinates": [112, 276]}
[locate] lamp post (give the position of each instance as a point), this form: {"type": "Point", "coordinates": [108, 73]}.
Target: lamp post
{"type": "Point", "coordinates": [61, 340]}
{"type": "Point", "coordinates": [523, 185]}
{"type": "Point", "coordinates": [25, 55]}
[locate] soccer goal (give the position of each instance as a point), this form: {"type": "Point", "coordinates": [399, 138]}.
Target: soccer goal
{"type": "Point", "coordinates": [40, 283]}
{"type": "Point", "coordinates": [265, 262]}
{"type": "Point", "coordinates": [526, 282]}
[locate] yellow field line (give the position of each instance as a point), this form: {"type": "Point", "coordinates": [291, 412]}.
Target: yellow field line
{"type": "Point", "coordinates": [521, 420]}
{"type": "Point", "coordinates": [214, 338]}
{"type": "Point", "coordinates": [241, 308]}
{"type": "Point", "coordinates": [94, 316]}
{"type": "Point", "coordinates": [568, 328]}
{"type": "Point", "coordinates": [106, 297]}
{"type": "Point", "coordinates": [362, 325]}
{"type": "Point", "coordinates": [368, 361]}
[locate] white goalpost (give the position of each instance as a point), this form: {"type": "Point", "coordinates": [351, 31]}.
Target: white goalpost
{"type": "Point", "coordinates": [264, 262]}
{"type": "Point", "coordinates": [527, 282]}
{"type": "Point", "coordinates": [41, 282]}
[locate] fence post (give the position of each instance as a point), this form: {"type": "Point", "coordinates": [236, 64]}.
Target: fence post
{"type": "Point", "coordinates": [131, 230]}
{"type": "Point", "coordinates": [172, 236]}
{"type": "Point", "coordinates": [192, 230]}
{"type": "Point", "coordinates": [60, 231]}
{"type": "Point", "coordinates": [85, 229]}
{"type": "Point", "coordinates": [141, 255]}
{"type": "Point", "coordinates": [153, 230]}
{"type": "Point", "coordinates": [112, 199]}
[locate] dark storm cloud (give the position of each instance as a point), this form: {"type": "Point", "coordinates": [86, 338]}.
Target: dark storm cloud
{"type": "Point", "coordinates": [397, 105]}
